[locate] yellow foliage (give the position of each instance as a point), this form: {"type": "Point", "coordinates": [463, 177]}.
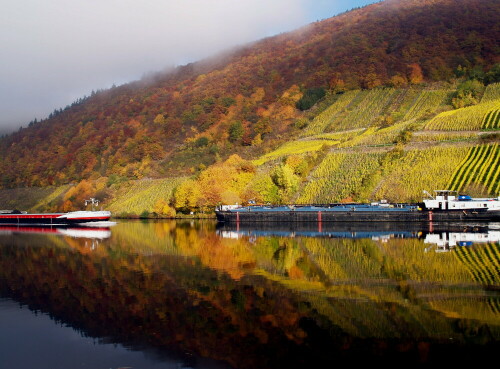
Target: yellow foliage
{"type": "Point", "coordinates": [187, 194]}
{"type": "Point", "coordinates": [162, 208]}
{"type": "Point", "coordinates": [159, 119]}
{"type": "Point", "coordinates": [257, 140]}
{"type": "Point", "coordinates": [230, 197]}
{"type": "Point", "coordinates": [293, 161]}
{"type": "Point", "coordinates": [75, 198]}
{"type": "Point", "coordinates": [258, 95]}
{"type": "Point", "coordinates": [292, 95]}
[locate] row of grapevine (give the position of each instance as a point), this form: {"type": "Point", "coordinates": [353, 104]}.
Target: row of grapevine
{"type": "Point", "coordinates": [142, 195]}
{"type": "Point", "coordinates": [49, 201]}
{"type": "Point", "coordinates": [340, 176]}
{"type": "Point", "coordinates": [444, 136]}
{"type": "Point", "coordinates": [480, 166]}
{"type": "Point", "coordinates": [358, 109]}
{"type": "Point", "coordinates": [401, 100]}
{"type": "Point", "coordinates": [492, 119]}
{"type": "Point", "coordinates": [324, 119]}
{"type": "Point", "coordinates": [358, 139]}
{"type": "Point", "coordinates": [295, 148]}
{"type": "Point", "coordinates": [491, 93]}
{"type": "Point", "coordinates": [367, 110]}
{"type": "Point", "coordinates": [338, 136]}
{"type": "Point", "coordinates": [427, 102]}
{"type": "Point", "coordinates": [470, 118]}
{"type": "Point", "coordinates": [383, 136]}
{"type": "Point", "coordinates": [405, 178]}
{"type": "Point", "coordinates": [32, 198]}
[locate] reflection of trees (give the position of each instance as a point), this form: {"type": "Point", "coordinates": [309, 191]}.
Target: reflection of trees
{"type": "Point", "coordinates": [273, 303]}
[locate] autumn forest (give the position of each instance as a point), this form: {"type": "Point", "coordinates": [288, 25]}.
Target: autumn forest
{"type": "Point", "coordinates": [379, 102]}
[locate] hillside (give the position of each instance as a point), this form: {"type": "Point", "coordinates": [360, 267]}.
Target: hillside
{"type": "Point", "coordinates": [222, 105]}
{"type": "Point", "coordinates": [429, 147]}
{"type": "Point", "coordinates": [376, 86]}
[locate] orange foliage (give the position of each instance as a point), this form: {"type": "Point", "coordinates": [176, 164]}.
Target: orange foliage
{"type": "Point", "coordinates": [75, 198]}
{"type": "Point", "coordinates": [112, 132]}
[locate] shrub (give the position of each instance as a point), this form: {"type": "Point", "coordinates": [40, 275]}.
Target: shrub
{"type": "Point", "coordinates": [310, 97]}
{"type": "Point", "coordinates": [201, 142]}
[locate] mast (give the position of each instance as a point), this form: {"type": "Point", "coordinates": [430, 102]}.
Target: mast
{"type": "Point", "coordinates": [93, 201]}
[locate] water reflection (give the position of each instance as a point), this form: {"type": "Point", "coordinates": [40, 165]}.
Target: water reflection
{"type": "Point", "coordinates": [443, 236]}
{"type": "Point", "coordinates": [268, 298]}
{"type": "Point", "coordinates": [91, 235]}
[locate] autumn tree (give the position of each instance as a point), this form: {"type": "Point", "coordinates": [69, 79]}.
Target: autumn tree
{"type": "Point", "coordinates": [467, 94]}
{"type": "Point", "coordinates": [286, 181]}
{"type": "Point", "coordinates": [75, 197]}
{"type": "Point", "coordinates": [162, 208]}
{"type": "Point", "coordinates": [159, 119]}
{"type": "Point", "coordinates": [220, 183]}
{"type": "Point", "coordinates": [187, 196]}
{"type": "Point", "coordinates": [415, 75]}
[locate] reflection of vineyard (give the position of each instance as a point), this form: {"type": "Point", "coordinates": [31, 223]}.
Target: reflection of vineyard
{"type": "Point", "coordinates": [241, 300]}
{"type": "Point", "coordinates": [482, 262]}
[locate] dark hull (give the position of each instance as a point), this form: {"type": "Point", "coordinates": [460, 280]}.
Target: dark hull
{"type": "Point", "coordinates": [372, 230]}
{"type": "Point", "coordinates": [47, 219]}
{"type": "Point", "coordinates": [357, 216]}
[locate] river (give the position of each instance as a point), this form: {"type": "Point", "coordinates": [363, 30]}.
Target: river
{"type": "Point", "coordinates": [192, 294]}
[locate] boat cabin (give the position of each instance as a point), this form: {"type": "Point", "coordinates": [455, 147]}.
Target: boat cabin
{"type": "Point", "coordinates": [449, 200]}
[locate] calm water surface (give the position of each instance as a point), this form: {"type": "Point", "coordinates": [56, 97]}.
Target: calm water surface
{"type": "Point", "coordinates": [193, 295]}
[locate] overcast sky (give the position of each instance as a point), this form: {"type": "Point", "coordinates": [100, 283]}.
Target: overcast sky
{"type": "Point", "coordinates": [56, 51]}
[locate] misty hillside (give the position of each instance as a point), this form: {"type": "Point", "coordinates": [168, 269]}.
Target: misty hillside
{"type": "Point", "coordinates": [248, 100]}
{"type": "Point", "coordinates": [355, 107]}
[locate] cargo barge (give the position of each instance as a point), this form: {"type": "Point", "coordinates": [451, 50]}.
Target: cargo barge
{"type": "Point", "coordinates": [444, 206]}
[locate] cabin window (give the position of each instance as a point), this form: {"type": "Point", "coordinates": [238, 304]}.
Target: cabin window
{"type": "Point", "coordinates": [485, 205]}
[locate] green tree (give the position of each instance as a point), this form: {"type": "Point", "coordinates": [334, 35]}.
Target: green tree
{"type": "Point", "coordinates": [310, 97]}
{"type": "Point", "coordinates": [493, 75]}
{"type": "Point", "coordinates": [236, 131]}
{"type": "Point", "coordinates": [467, 94]}
{"type": "Point", "coordinates": [201, 142]}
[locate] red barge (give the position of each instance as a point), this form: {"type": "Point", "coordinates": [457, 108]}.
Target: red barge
{"type": "Point", "coordinates": [16, 217]}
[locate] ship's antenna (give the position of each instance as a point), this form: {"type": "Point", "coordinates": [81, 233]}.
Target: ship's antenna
{"type": "Point", "coordinates": [428, 194]}
{"type": "Point", "coordinates": [92, 201]}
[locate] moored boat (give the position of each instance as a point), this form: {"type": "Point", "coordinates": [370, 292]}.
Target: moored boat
{"type": "Point", "coordinates": [93, 217]}
{"type": "Point", "coordinates": [445, 206]}
{"type": "Point", "coordinates": [74, 217]}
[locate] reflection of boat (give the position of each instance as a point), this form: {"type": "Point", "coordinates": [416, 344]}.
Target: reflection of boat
{"type": "Point", "coordinates": [379, 230]}
{"type": "Point", "coordinates": [446, 240]}
{"type": "Point", "coordinates": [442, 235]}
{"type": "Point", "coordinates": [446, 206]}
{"type": "Point", "coordinates": [75, 232]}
